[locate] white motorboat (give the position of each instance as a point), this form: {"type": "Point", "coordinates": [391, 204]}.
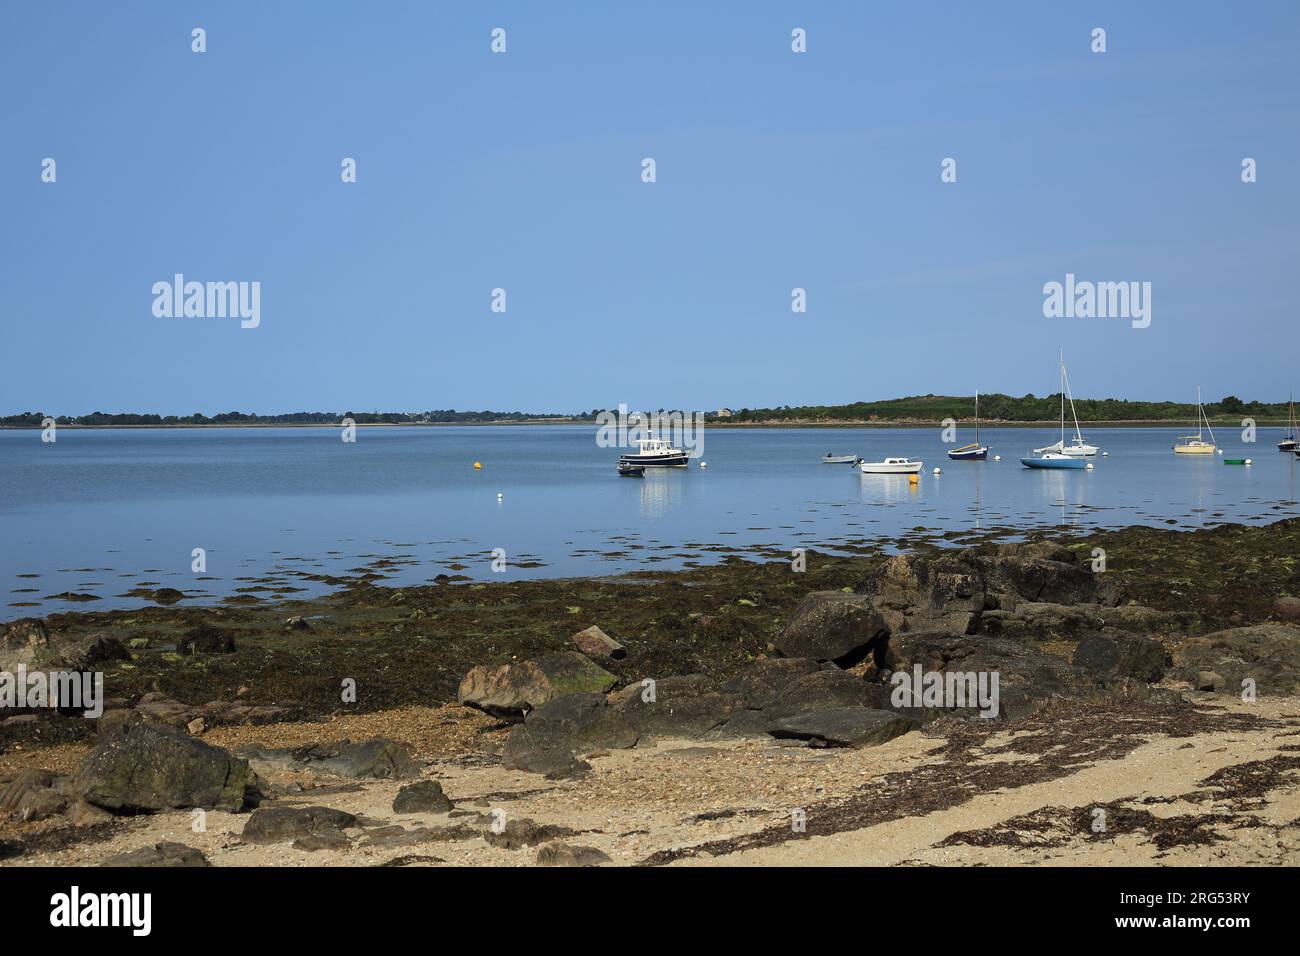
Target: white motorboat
{"type": "Point", "coordinates": [655, 453]}
{"type": "Point", "coordinates": [829, 459]}
{"type": "Point", "coordinates": [892, 466]}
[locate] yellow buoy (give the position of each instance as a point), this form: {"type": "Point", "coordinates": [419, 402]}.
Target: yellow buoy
{"type": "Point", "coordinates": [478, 466]}
{"type": "Point", "coordinates": [912, 480]}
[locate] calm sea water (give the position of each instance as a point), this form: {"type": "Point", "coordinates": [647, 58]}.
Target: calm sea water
{"type": "Point", "coordinates": [102, 511]}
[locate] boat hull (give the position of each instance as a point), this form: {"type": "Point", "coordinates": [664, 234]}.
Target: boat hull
{"type": "Point", "coordinates": [1289, 444]}
{"type": "Point", "coordinates": [656, 461]}
{"type": "Point", "coordinates": [969, 454]}
{"type": "Point", "coordinates": [1063, 464]}
{"type": "Point", "coordinates": [839, 459]}
{"type": "Point", "coordinates": [884, 468]}
{"type": "Point", "coordinates": [1193, 449]}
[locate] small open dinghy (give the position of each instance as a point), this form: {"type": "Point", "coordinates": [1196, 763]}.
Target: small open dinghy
{"type": "Point", "coordinates": [829, 459]}
{"type": "Point", "coordinates": [628, 470]}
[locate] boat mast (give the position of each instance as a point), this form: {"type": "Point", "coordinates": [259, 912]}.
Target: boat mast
{"type": "Point", "coordinates": [1204, 416]}
{"type": "Point", "coordinates": [1065, 376]}
{"type": "Point", "coordinates": [977, 418]}
{"type": "Point", "coordinates": [1062, 449]}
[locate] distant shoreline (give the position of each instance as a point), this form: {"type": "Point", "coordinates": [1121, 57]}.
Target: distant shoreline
{"type": "Point", "coordinates": [713, 423]}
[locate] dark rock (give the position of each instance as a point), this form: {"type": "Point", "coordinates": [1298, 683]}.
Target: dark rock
{"type": "Point", "coordinates": [206, 639]}
{"type": "Point", "coordinates": [855, 727]}
{"type": "Point", "coordinates": [160, 854]}
{"type": "Point", "coordinates": [522, 832]}
{"type": "Point", "coordinates": [1287, 608]}
{"type": "Point", "coordinates": [686, 707]}
{"type": "Point", "coordinates": [104, 649]}
{"type": "Point", "coordinates": [378, 758]}
{"type": "Point", "coordinates": [912, 593]}
{"type": "Point", "coordinates": [763, 681]}
{"type": "Point", "coordinates": [568, 854]}
{"type": "Point", "coordinates": [1026, 676]}
{"type": "Point", "coordinates": [149, 767]}
{"type": "Point", "coordinates": [1118, 654]}
{"type": "Point", "coordinates": [1269, 654]}
{"type": "Point", "coordinates": [281, 824]}
{"type": "Point", "coordinates": [552, 734]}
{"type": "Point", "coordinates": [512, 689]}
{"type": "Point", "coordinates": [166, 596]}
{"type": "Point", "coordinates": [1045, 572]}
{"type": "Point", "coordinates": [324, 838]}
{"type": "Point", "coordinates": [425, 796]}
{"type": "Point", "coordinates": [826, 689]}
{"type": "Point", "coordinates": [833, 626]}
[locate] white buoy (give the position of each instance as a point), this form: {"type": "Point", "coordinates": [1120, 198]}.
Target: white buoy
{"type": "Point", "coordinates": [1249, 462]}
{"type": "Point", "coordinates": [1105, 454]}
{"type": "Point", "coordinates": [1220, 451]}
{"type": "Point", "coordinates": [704, 464]}
{"type": "Point", "coordinates": [499, 496]}
{"type": "Point", "coordinates": [1089, 467]}
{"type": "Point", "coordinates": [997, 457]}
{"type": "Point", "coordinates": [938, 471]}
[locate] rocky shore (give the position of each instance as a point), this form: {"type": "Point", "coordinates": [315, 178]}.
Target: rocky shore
{"type": "Point", "coordinates": [1126, 696]}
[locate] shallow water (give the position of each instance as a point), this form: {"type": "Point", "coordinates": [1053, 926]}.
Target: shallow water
{"type": "Point", "coordinates": [102, 511]}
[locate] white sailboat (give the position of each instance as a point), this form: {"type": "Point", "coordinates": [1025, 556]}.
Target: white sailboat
{"type": "Point", "coordinates": [1194, 444]}
{"type": "Point", "coordinates": [1078, 447]}
{"type": "Point", "coordinates": [1052, 457]}
{"type": "Point", "coordinates": [1291, 441]}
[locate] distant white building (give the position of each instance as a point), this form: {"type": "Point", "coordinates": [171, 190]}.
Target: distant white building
{"type": "Point", "coordinates": [723, 413]}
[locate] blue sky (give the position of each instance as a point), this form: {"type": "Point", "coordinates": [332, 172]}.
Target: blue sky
{"type": "Point", "coordinates": [522, 171]}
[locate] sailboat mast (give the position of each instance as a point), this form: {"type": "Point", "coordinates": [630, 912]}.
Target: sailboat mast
{"type": "Point", "coordinates": [1062, 359]}
{"type": "Point", "coordinates": [977, 418]}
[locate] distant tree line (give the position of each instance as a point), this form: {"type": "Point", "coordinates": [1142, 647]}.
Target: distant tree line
{"type": "Point", "coordinates": [998, 407]}
{"type": "Point", "coordinates": [919, 408]}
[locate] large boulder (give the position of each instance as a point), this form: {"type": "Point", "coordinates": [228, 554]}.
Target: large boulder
{"type": "Point", "coordinates": [1269, 654]}
{"type": "Point", "coordinates": [855, 727]}
{"type": "Point", "coordinates": [281, 824]}
{"type": "Point", "coordinates": [24, 642]}
{"type": "Point", "coordinates": [689, 707]}
{"type": "Point", "coordinates": [554, 733]}
{"type": "Point", "coordinates": [764, 680]}
{"type": "Point", "coordinates": [377, 758]}
{"type": "Point", "coordinates": [1042, 571]}
{"type": "Point", "coordinates": [510, 690]}
{"type": "Point", "coordinates": [1120, 654]}
{"type": "Point", "coordinates": [834, 626]}
{"type": "Point", "coordinates": [149, 767]}
{"type": "Point", "coordinates": [160, 854]}
{"type": "Point", "coordinates": [825, 689]}
{"type": "Point", "coordinates": [940, 595]}
{"type": "Point", "coordinates": [1044, 620]}
{"type": "Point", "coordinates": [1026, 676]}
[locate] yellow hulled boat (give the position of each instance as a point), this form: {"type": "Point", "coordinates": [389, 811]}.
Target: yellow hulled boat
{"type": "Point", "coordinates": [1195, 444]}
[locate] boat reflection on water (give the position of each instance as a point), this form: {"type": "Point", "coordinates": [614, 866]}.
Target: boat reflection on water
{"type": "Point", "coordinates": [888, 489]}
{"type": "Point", "coordinates": [661, 492]}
